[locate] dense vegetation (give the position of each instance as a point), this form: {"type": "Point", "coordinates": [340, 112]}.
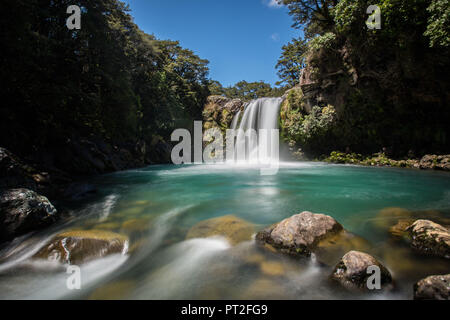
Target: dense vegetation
{"type": "Point", "coordinates": [369, 90]}
{"type": "Point", "coordinates": [389, 86]}
{"type": "Point", "coordinates": [108, 80]}
{"type": "Point", "coordinates": [247, 91]}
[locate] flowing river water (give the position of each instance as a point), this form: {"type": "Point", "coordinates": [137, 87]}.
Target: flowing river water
{"type": "Point", "coordinates": [155, 208]}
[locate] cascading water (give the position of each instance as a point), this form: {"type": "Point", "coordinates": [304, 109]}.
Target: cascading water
{"type": "Point", "coordinates": [255, 139]}
{"type": "Point", "coordinates": [235, 121]}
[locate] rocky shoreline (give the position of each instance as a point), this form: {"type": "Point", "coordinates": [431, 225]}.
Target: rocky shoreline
{"type": "Point", "coordinates": [320, 237]}
{"type": "Point", "coordinates": [427, 162]}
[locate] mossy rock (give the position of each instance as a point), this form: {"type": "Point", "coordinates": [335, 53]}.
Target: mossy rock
{"type": "Point", "coordinates": [130, 212]}
{"type": "Point", "coordinates": [137, 225]}
{"type": "Point", "coordinates": [329, 250]}
{"type": "Point", "coordinates": [234, 229]}
{"type": "Point", "coordinates": [430, 238]}
{"type": "Point", "coordinates": [399, 231]}
{"type": "Point", "coordinates": [388, 217]}
{"type": "Point", "coordinates": [406, 263]}
{"type": "Point", "coordinates": [272, 268]}
{"type": "Point", "coordinates": [80, 246]}
{"type": "Point", "coordinates": [109, 226]}
{"type": "Point", "coordinates": [264, 288]}
{"type": "Point", "coordinates": [394, 219]}
{"type": "Point", "coordinates": [113, 291]}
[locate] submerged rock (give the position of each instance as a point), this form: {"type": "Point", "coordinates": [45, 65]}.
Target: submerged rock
{"type": "Point", "coordinates": [299, 234]}
{"type": "Point", "coordinates": [272, 268]}
{"type": "Point", "coordinates": [332, 248]}
{"type": "Point", "coordinates": [118, 290]}
{"type": "Point", "coordinates": [400, 230]}
{"type": "Point", "coordinates": [352, 271]}
{"type": "Point", "coordinates": [397, 220]}
{"type": "Point", "coordinates": [234, 229]}
{"type": "Point", "coordinates": [388, 217]}
{"type": "Point", "coordinates": [430, 238]}
{"type": "Point", "coordinates": [433, 288]}
{"type": "Point", "coordinates": [23, 211]}
{"type": "Point", "coordinates": [80, 246]}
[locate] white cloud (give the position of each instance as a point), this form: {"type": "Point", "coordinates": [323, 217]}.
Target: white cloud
{"type": "Point", "coordinates": [275, 37]}
{"type": "Point", "coordinates": [273, 3]}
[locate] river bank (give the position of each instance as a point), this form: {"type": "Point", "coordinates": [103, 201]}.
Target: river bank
{"type": "Point", "coordinates": [427, 162]}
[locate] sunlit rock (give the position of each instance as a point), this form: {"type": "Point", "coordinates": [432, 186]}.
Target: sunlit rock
{"type": "Point", "coordinates": [80, 246]}
{"type": "Point", "coordinates": [430, 238]}
{"type": "Point", "coordinates": [299, 234]}
{"type": "Point", "coordinates": [352, 272]}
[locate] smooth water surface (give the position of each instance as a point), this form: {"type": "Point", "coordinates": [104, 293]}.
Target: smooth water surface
{"type": "Point", "coordinates": [156, 206]}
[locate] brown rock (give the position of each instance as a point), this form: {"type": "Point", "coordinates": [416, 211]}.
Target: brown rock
{"type": "Point", "coordinates": [80, 246]}
{"type": "Point", "coordinates": [300, 234]}
{"type": "Point", "coordinates": [433, 288]}
{"type": "Point", "coordinates": [352, 271]}
{"type": "Point", "coordinates": [430, 238]}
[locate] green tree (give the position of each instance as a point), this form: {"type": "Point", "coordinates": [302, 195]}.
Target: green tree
{"type": "Point", "coordinates": [291, 62]}
{"type": "Point", "coordinates": [438, 29]}
{"type": "Point", "coordinates": [312, 15]}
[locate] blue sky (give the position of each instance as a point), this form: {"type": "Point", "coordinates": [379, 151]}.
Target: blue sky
{"type": "Point", "coordinates": [242, 39]}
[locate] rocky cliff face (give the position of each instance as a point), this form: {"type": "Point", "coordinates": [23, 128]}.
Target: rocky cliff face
{"type": "Point", "coordinates": [382, 99]}
{"type": "Point", "coordinates": [219, 112]}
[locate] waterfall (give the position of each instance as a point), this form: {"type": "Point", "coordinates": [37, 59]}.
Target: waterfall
{"type": "Point", "coordinates": [235, 121]}
{"type": "Point", "coordinates": [254, 137]}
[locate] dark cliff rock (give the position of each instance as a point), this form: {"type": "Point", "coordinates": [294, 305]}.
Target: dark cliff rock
{"type": "Point", "coordinates": [23, 211]}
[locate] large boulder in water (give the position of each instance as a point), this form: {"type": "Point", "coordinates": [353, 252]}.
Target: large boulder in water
{"type": "Point", "coordinates": [430, 238]}
{"type": "Point", "coordinates": [300, 234]}
{"type": "Point", "coordinates": [80, 246]}
{"type": "Point", "coordinates": [234, 229]}
{"type": "Point", "coordinates": [433, 288]}
{"type": "Point", "coordinates": [23, 211]}
{"type": "Point", "coordinates": [352, 271]}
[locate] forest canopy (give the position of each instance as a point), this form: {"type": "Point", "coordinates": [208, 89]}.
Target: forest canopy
{"type": "Point", "coordinates": [108, 79]}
